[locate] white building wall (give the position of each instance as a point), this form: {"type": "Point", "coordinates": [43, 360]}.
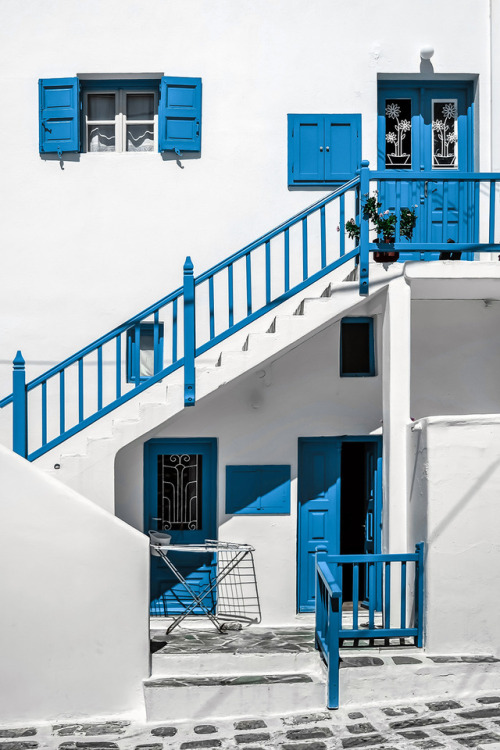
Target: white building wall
{"type": "Point", "coordinates": [453, 508]}
{"type": "Point", "coordinates": [455, 357]}
{"type": "Point", "coordinates": [258, 420]}
{"type": "Point", "coordinates": [89, 245]}
{"type": "Point", "coordinates": [74, 635]}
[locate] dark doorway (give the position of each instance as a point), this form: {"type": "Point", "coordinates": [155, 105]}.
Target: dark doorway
{"type": "Point", "coordinates": [354, 498]}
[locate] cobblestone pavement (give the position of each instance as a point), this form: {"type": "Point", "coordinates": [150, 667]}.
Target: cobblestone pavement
{"type": "Point", "coordinates": [433, 724]}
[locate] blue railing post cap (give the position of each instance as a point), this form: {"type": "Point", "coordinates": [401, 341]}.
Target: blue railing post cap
{"type": "Point", "coordinates": [19, 361]}
{"type": "Point", "coordinates": [188, 265]}
{"type": "Point", "coordinates": [365, 163]}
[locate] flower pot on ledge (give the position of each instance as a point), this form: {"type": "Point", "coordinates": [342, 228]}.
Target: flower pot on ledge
{"type": "Point", "coordinates": [388, 256]}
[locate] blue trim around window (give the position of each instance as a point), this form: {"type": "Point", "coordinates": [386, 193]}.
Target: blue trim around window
{"type": "Point", "coordinates": [345, 330]}
{"type": "Point", "coordinates": [134, 353]}
{"type": "Point", "coordinates": [258, 490]}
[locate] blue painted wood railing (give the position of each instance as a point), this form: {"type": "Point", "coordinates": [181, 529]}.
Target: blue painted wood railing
{"type": "Point", "coordinates": [209, 308]}
{"type": "Point", "coordinates": [248, 284]}
{"type": "Point", "coordinates": [375, 575]}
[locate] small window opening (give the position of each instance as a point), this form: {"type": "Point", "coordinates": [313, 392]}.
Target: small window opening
{"type": "Point", "coordinates": [144, 355]}
{"type": "Point", "coordinates": [357, 351]}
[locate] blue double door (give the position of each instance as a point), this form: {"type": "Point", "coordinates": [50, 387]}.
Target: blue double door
{"type": "Point", "coordinates": [339, 505]}
{"type": "Point", "coordinates": [428, 127]}
{"type": "Point", "coordinates": [180, 483]}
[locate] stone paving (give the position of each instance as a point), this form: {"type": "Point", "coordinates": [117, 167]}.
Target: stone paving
{"type": "Point", "coordinates": [449, 724]}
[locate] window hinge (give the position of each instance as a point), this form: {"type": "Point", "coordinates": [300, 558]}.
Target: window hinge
{"type": "Point", "coordinates": [177, 151]}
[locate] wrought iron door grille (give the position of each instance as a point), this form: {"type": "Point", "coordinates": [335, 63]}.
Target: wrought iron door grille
{"type": "Point", "coordinates": [179, 492]}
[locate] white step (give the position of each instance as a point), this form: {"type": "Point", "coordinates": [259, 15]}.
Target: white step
{"type": "Point", "coordinates": [215, 697]}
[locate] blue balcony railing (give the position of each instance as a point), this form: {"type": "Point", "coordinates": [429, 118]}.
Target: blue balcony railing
{"type": "Point", "coordinates": [393, 584]}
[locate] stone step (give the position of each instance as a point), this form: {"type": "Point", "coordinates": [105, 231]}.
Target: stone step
{"type": "Point", "coordinates": [215, 697]}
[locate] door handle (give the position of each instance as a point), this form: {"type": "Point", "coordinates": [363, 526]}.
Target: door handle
{"type": "Point", "coordinates": [321, 148]}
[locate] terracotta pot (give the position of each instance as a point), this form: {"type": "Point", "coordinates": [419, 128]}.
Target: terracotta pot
{"type": "Point", "coordinates": [388, 256]}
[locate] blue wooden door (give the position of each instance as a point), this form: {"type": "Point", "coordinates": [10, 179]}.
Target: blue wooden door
{"type": "Point", "coordinates": [180, 499]}
{"type": "Point", "coordinates": [319, 510]}
{"type": "Point", "coordinates": [429, 127]}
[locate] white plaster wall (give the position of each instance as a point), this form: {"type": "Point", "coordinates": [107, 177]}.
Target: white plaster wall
{"type": "Point", "coordinates": [455, 355]}
{"type": "Point", "coordinates": [88, 246]}
{"type": "Point", "coordinates": [454, 509]}
{"type": "Point", "coordinates": [74, 635]}
{"type": "Point", "coordinates": [258, 420]}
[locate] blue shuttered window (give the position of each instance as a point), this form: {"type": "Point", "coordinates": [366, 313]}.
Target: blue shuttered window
{"type": "Point", "coordinates": [59, 105]}
{"type": "Point", "coordinates": [258, 489]}
{"type": "Point", "coordinates": [179, 114]}
{"type": "Point", "coordinates": [323, 149]}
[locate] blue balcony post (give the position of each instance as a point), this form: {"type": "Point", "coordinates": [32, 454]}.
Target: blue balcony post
{"type": "Point", "coordinates": [364, 237]}
{"type": "Point", "coordinates": [334, 623]}
{"type": "Point", "coordinates": [419, 549]}
{"type": "Point", "coordinates": [19, 407]}
{"type": "Point", "coordinates": [189, 334]}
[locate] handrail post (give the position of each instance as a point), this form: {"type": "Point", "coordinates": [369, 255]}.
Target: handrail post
{"type": "Point", "coordinates": [19, 406]}
{"type": "Point", "coordinates": [419, 549]}
{"type": "Point", "coordinates": [364, 238]}
{"type": "Point", "coordinates": [334, 617]}
{"type": "Point", "coordinates": [189, 334]}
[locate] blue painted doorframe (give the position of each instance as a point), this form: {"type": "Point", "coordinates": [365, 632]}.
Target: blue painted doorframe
{"type": "Point", "coordinates": [319, 504]}
{"type": "Point", "coordinates": [191, 464]}
{"type": "Point", "coordinates": [445, 213]}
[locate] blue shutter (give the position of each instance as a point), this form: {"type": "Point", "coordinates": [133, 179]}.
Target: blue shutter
{"type": "Point", "coordinates": [59, 102]}
{"type": "Point", "coordinates": [179, 114]}
{"type": "Point", "coordinates": [306, 155]}
{"type": "Point", "coordinates": [342, 147]}
{"type": "Point", "coordinates": [258, 489]}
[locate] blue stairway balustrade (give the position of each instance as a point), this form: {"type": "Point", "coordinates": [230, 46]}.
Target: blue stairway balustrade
{"type": "Point", "coordinates": [390, 586]}
{"type": "Point", "coordinates": [248, 284]}
{"type": "Point", "coordinates": [200, 314]}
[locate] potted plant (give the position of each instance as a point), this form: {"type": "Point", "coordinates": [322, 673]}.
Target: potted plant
{"type": "Point", "coordinates": [384, 224]}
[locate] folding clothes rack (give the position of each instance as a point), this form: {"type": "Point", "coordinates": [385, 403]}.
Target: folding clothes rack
{"type": "Point", "coordinates": [234, 582]}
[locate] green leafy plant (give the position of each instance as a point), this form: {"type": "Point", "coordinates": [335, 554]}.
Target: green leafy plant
{"type": "Point", "coordinates": [384, 222]}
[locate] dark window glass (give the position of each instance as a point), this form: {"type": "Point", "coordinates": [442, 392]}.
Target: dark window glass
{"type": "Point", "coordinates": [356, 347]}
{"type": "Point", "coordinates": [179, 492]}
{"type": "Point", "coordinates": [398, 133]}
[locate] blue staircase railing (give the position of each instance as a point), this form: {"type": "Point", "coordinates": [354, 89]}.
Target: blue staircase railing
{"type": "Point", "coordinates": [387, 579]}
{"type": "Point", "coordinates": [84, 387]}
{"type": "Point", "coordinates": [209, 308]}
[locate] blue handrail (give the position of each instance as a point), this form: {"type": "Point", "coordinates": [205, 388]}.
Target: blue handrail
{"type": "Point", "coordinates": [374, 576]}
{"type": "Point", "coordinates": [107, 373]}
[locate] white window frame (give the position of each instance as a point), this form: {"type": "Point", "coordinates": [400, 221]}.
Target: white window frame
{"type": "Point", "coordinates": [120, 121]}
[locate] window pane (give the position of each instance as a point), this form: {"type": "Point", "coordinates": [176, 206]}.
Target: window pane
{"type": "Point", "coordinates": [101, 137]}
{"type": "Point", "coordinates": [179, 492]}
{"type": "Point", "coordinates": [140, 106]}
{"type": "Point", "coordinates": [147, 355]}
{"type": "Point", "coordinates": [398, 133]}
{"type": "Point", "coordinates": [101, 107]}
{"type": "Point", "coordinates": [355, 348]}
{"type": "Point", "coordinates": [140, 137]}
{"type": "Point", "coordinates": [444, 134]}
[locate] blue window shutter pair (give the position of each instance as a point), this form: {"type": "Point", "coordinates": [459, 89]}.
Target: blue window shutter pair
{"type": "Point", "coordinates": [323, 149]}
{"type": "Point", "coordinates": [258, 489]}
{"type": "Point", "coordinates": [59, 102]}
{"type": "Point", "coordinates": [179, 115]}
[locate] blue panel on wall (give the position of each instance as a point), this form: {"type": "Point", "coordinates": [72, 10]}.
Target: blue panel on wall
{"type": "Point", "coordinates": [59, 111]}
{"type": "Point", "coordinates": [179, 114]}
{"type": "Point", "coordinates": [258, 489]}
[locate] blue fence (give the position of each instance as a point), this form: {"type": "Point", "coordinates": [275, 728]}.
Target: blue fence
{"type": "Point", "coordinates": [207, 309]}
{"type": "Point", "coordinates": [382, 582]}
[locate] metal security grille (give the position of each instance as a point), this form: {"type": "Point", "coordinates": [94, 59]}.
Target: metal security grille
{"type": "Point", "coordinates": [179, 492]}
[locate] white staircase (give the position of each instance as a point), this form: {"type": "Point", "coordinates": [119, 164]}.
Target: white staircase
{"type": "Point", "coordinates": [85, 462]}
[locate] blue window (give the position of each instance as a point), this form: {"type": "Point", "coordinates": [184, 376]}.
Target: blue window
{"type": "Point", "coordinates": [120, 115]}
{"type": "Point", "coordinates": [323, 149]}
{"type": "Point", "coordinates": [357, 348]}
{"type": "Point", "coordinates": [258, 490]}
{"type": "Point", "coordinates": [144, 351]}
